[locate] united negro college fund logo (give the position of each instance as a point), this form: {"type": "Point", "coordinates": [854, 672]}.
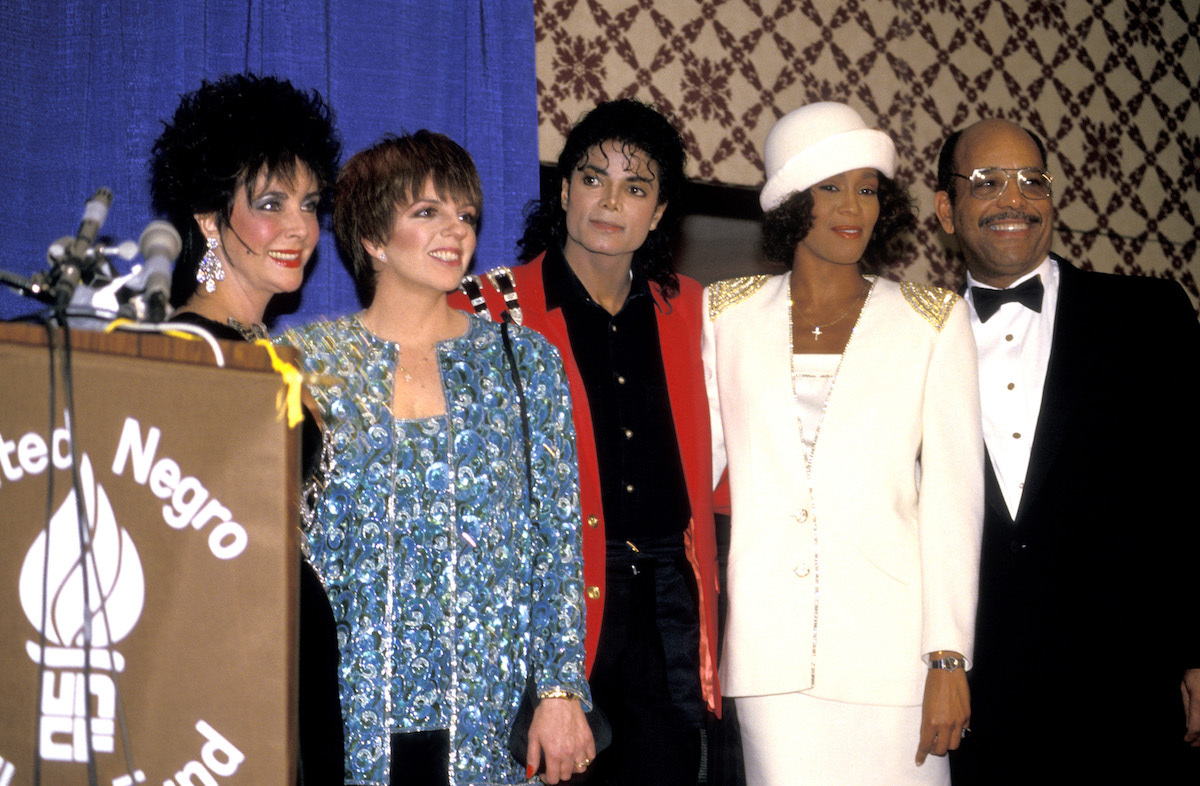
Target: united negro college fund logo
{"type": "Point", "coordinates": [63, 557]}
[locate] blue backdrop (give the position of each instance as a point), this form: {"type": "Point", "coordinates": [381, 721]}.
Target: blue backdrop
{"type": "Point", "coordinates": [86, 85]}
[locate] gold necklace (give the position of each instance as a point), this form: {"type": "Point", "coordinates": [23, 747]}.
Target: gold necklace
{"type": "Point", "coordinates": [400, 366]}
{"type": "Point", "coordinates": [816, 331]}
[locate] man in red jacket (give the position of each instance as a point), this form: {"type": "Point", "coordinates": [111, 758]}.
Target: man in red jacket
{"type": "Point", "coordinates": [599, 283]}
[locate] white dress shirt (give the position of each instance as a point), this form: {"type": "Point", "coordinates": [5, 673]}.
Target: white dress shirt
{"type": "Point", "coordinates": [1014, 352]}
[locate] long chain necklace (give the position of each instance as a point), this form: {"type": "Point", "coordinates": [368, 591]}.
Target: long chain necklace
{"type": "Point", "coordinates": [804, 569]}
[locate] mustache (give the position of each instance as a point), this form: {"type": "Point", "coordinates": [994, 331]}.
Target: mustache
{"type": "Point", "coordinates": [1010, 215]}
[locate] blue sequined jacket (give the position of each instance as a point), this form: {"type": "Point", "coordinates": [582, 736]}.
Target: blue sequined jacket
{"type": "Point", "coordinates": [449, 584]}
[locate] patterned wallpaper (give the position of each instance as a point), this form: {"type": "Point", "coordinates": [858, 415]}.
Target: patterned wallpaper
{"type": "Point", "coordinates": [1110, 85]}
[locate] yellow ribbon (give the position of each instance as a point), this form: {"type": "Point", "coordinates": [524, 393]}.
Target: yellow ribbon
{"type": "Point", "coordinates": [288, 399]}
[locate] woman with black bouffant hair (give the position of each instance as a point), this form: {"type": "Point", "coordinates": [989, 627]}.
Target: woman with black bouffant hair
{"type": "Point", "coordinates": [243, 170]}
{"type": "Point", "coordinates": [845, 408]}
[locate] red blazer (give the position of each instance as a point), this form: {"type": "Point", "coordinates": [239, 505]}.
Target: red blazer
{"type": "Point", "coordinates": [679, 324]}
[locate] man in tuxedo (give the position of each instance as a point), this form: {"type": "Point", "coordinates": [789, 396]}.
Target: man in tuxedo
{"type": "Point", "coordinates": [1087, 629]}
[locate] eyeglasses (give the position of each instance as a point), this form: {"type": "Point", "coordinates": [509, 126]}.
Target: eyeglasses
{"type": "Point", "coordinates": [990, 182]}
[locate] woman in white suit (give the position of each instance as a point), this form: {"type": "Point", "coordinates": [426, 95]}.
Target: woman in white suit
{"type": "Point", "coordinates": [845, 408]}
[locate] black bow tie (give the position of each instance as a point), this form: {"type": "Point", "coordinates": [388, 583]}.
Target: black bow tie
{"type": "Point", "coordinates": [988, 301]}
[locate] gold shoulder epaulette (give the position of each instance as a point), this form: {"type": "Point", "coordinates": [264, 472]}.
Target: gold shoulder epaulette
{"type": "Point", "coordinates": [723, 294]}
{"type": "Point", "coordinates": [933, 303]}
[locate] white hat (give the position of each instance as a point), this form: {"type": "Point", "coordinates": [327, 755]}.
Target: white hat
{"type": "Point", "coordinates": [818, 141]}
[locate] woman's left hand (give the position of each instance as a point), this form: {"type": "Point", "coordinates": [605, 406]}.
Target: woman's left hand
{"type": "Point", "coordinates": [945, 714]}
{"type": "Point", "coordinates": [560, 735]}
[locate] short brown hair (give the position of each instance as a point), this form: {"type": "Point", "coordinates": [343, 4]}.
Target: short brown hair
{"type": "Point", "coordinates": [380, 180]}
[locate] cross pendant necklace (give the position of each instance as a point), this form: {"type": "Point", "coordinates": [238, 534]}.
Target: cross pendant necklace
{"type": "Point", "coordinates": [816, 331]}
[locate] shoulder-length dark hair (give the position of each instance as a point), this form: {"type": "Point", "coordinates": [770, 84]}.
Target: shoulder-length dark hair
{"type": "Point", "coordinates": [221, 138]}
{"type": "Point", "coordinates": [784, 227]}
{"type": "Point", "coordinates": [627, 123]}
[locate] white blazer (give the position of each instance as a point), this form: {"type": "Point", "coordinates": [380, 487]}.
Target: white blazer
{"type": "Point", "coordinates": [841, 579]}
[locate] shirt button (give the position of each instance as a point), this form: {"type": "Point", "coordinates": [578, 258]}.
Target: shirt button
{"type": "Point", "coordinates": [593, 521]}
{"type": "Point", "coordinates": [1011, 386]}
{"type": "Point", "coordinates": [802, 516]}
{"type": "Point", "coordinates": [1016, 435]}
{"type": "Point", "coordinates": [801, 571]}
{"type": "Point", "coordinates": [1009, 337]}
{"type": "Point", "coordinates": [593, 593]}
{"type": "Point", "coordinates": [629, 488]}
{"type": "Point", "coordinates": [628, 433]}
{"type": "Point", "coordinates": [613, 328]}
{"type": "Point", "coordinates": [620, 380]}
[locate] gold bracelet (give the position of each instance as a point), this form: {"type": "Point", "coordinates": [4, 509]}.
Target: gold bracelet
{"type": "Point", "coordinates": [557, 693]}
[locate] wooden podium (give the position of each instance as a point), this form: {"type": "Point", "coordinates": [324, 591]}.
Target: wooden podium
{"type": "Point", "coordinates": [187, 489]}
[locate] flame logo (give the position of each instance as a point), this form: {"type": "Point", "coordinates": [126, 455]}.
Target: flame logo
{"type": "Point", "coordinates": [116, 590]}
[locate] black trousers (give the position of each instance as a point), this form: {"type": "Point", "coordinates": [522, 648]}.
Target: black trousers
{"type": "Point", "coordinates": [420, 758]}
{"type": "Point", "coordinates": [646, 676]}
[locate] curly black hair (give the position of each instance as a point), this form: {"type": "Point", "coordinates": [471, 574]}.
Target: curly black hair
{"type": "Point", "coordinates": [785, 226]}
{"type": "Point", "coordinates": [627, 123]}
{"type": "Point", "coordinates": [220, 139]}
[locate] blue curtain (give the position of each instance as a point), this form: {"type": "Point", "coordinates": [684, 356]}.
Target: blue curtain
{"type": "Point", "coordinates": [87, 84]}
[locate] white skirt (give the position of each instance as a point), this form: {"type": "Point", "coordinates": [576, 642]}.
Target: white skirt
{"type": "Point", "coordinates": [795, 739]}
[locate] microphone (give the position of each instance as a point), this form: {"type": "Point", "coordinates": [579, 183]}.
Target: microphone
{"type": "Point", "coordinates": [74, 263]}
{"type": "Point", "coordinates": [56, 254]}
{"type": "Point", "coordinates": [94, 214]}
{"type": "Point", "coordinates": [126, 250]}
{"type": "Point", "coordinates": [160, 245]}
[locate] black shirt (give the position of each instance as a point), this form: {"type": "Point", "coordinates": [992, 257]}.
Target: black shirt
{"type": "Point", "coordinates": [619, 356]}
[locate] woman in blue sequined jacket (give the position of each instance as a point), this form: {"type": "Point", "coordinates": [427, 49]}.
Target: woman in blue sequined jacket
{"type": "Point", "coordinates": [446, 531]}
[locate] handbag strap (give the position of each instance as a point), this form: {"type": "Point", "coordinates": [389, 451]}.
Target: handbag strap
{"type": "Point", "coordinates": [516, 376]}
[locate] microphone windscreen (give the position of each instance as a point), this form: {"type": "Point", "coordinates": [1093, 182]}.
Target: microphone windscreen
{"type": "Point", "coordinates": [160, 239]}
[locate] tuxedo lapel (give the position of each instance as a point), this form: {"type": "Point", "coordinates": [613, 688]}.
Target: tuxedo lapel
{"type": "Point", "coordinates": [993, 497]}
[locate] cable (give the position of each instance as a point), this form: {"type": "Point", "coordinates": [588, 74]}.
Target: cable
{"type": "Point", "coordinates": [41, 673]}
{"type": "Point", "coordinates": [84, 545]}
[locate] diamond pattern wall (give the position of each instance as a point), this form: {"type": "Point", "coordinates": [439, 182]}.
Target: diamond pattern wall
{"type": "Point", "coordinates": [1110, 85]}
